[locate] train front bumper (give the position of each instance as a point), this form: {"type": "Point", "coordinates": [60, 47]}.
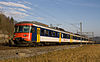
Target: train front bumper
{"type": "Point", "coordinates": [20, 40]}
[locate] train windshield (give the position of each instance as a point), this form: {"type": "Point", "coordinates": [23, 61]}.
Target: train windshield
{"type": "Point", "coordinates": [20, 29]}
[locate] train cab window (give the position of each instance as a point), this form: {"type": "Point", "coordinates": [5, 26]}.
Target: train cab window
{"type": "Point", "coordinates": [26, 28]}
{"type": "Point", "coordinates": [42, 32]}
{"type": "Point", "coordinates": [20, 28]}
{"type": "Point", "coordinates": [16, 29]}
{"type": "Point", "coordinates": [33, 29]}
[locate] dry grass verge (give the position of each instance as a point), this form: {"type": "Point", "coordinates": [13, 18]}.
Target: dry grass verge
{"type": "Point", "coordinates": [87, 53]}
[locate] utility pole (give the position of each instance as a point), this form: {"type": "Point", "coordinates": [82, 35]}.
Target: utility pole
{"type": "Point", "coordinates": [81, 28]}
{"type": "Point", "coordinates": [81, 31]}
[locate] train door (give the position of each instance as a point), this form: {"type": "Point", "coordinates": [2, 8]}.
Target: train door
{"type": "Point", "coordinates": [71, 38]}
{"type": "Point", "coordinates": [34, 35]}
{"type": "Point", "coordinates": [59, 37]}
{"type": "Point", "coordinates": [38, 35]}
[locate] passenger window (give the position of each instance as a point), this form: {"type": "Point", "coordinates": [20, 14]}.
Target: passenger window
{"type": "Point", "coordinates": [42, 32]}
{"type": "Point", "coordinates": [46, 32]}
{"type": "Point", "coordinates": [73, 37]}
{"type": "Point", "coordinates": [68, 36]}
{"type": "Point", "coordinates": [50, 33]}
{"type": "Point", "coordinates": [56, 34]}
{"type": "Point", "coordinates": [53, 34]}
{"type": "Point", "coordinates": [62, 35]}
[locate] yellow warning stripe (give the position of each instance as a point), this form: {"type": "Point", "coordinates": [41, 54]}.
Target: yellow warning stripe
{"type": "Point", "coordinates": [71, 38]}
{"type": "Point", "coordinates": [59, 37]}
{"type": "Point", "coordinates": [38, 34]}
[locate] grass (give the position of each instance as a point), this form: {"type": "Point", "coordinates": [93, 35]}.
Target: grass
{"type": "Point", "coordinates": [87, 53]}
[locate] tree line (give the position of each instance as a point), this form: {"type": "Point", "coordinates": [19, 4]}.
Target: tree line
{"type": "Point", "coordinates": [6, 24]}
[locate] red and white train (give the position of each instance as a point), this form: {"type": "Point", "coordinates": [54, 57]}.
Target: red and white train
{"type": "Point", "coordinates": [30, 33]}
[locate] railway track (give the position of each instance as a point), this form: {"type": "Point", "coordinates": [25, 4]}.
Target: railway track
{"type": "Point", "coordinates": [16, 52]}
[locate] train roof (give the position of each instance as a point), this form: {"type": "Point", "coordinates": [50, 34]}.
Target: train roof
{"type": "Point", "coordinates": [46, 26]}
{"type": "Point", "coordinates": [33, 22]}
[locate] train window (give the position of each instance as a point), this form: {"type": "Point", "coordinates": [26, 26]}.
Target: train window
{"type": "Point", "coordinates": [42, 32]}
{"type": "Point", "coordinates": [26, 28]}
{"type": "Point", "coordinates": [76, 37]}
{"type": "Point", "coordinates": [46, 32]}
{"type": "Point", "coordinates": [20, 28]}
{"type": "Point", "coordinates": [33, 29]}
{"type": "Point", "coordinates": [64, 36]}
{"type": "Point", "coordinates": [79, 38]}
{"type": "Point", "coordinates": [56, 34]}
{"type": "Point", "coordinates": [53, 34]}
{"type": "Point", "coordinates": [16, 29]}
{"type": "Point", "coordinates": [50, 33]}
{"type": "Point", "coordinates": [73, 37]}
{"type": "Point", "coordinates": [68, 36]}
{"type": "Point", "coordinates": [85, 39]}
{"type": "Point", "coordinates": [82, 38]}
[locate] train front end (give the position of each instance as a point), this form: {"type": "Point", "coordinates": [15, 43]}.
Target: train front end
{"type": "Point", "coordinates": [22, 34]}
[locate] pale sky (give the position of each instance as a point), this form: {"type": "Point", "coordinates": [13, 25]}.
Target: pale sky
{"type": "Point", "coordinates": [64, 12]}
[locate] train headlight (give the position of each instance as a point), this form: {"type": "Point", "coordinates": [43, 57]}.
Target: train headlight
{"type": "Point", "coordinates": [25, 35]}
